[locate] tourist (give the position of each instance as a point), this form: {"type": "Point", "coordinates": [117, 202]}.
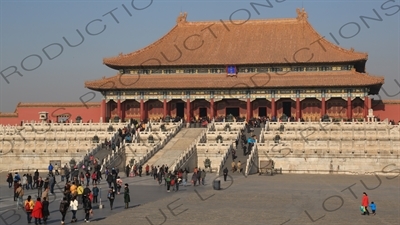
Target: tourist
{"type": "Point", "coordinates": [365, 203]}
{"type": "Point", "coordinates": [45, 194]}
{"type": "Point", "coordinates": [177, 181]}
{"type": "Point", "coordinates": [155, 173]}
{"type": "Point", "coordinates": [95, 191]}
{"type": "Point", "coordinates": [16, 186]}
{"type": "Point", "coordinates": [94, 177]}
{"type": "Point", "coordinates": [140, 170]}
{"type": "Point", "coordinates": [79, 191]}
{"type": "Point", "coordinates": [45, 209]}
{"type": "Point", "coordinates": [30, 181]}
{"type": "Point", "coordinates": [225, 171]}
{"type": "Point", "coordinates": [62, 174]}
{"type": "Point", "coordinates": [373, 208]}
{"type": "Point", "coordinates": [203, 176]}
{"type": "Point", "coordinates": [87, 175]}
{"type": "Point", "coordinates": [52, 183]}
{"type": "Point", "coordinates": [36, 178]}
{"type": "Point", "coordinates": [73, 189]}
{"type": "Point", "coordinates": [63, 209]}
{"type": "Point", "coordinates": [86, 193]}
{"type": "Point", "coordinates": [147, 169]}
{"type": "Point", "coordinates": [127, 170]}
{"type": "Point", "coordinates": [57, 172]}
{"type": "Point", "coordinates": [39, 186]}
{"type": "Point", "coordinates": [168, 181]}
{"type": "Point", "coordinates": [111, 197]}
{"type": "Point", "coordinates": [184, 177]}
{"type": "Point", "coordinates": [194, 178]}
{"type": "Point", "coordinates": [46, 183]}
{"type": "Point", "coordinates": [119, 185]}
{"type": "Point", "coordinates": [74, 207]}
{"type": "Point", "coordinates": [82, 178]}
{"type": "Point", "coordinates": [29, 204]}
{"type": "Point", "coordinates": [24, 181]}
{"type": "Point", "coordinates": [239, 166]}
{"type": "Point", "coordinates": [127, 197]}
{"type": "Point", "coordinates": [88, 209]}
{"type": "Point", "coordinates": [37, 212]}
{"type": "Point", "coordinates": [10, 180]}
{"type": "Point", "coordinates": [109, 180]}
{"type": "Point", "coordinates": [20, 194]}
{"type": "Point", "coordinates": [199, 176]}
{"type": "Point", "coordinates": [50, 168]}
{"type": "Point", "coordinates": [233, 165]}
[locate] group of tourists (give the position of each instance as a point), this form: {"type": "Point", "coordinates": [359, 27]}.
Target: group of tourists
{"type": "Point", "coordinates": [178, 177]}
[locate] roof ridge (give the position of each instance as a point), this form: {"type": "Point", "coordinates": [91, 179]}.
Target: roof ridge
{"type": "Point", "coordinates": [351, 51]}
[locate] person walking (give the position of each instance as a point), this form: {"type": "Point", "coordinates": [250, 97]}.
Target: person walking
{"type": "Point", "coordinates": [127, 197]}
{"type": "Point", "coordinates": [74, 207]}
{"type": "Point", "coordinates": [40, 184]}
{"type": "Point", "coordinates": [184, 177]}
{"type": "Point", "coordinates": [203, 176]}
{"type": "Point", "coordinates": [88, 209]}
{"type": "Point", "coordinates": [63, 209]}
{"type": "Point", "coordinates": [45, 210]}
{"type": "Point", "coordinates": [111, 197]}
{"type": "Point", "coordinates": [20, 194]}
{"type": "Point", "coordinates": [37, 212]}
{"type": "Point", "coordinates": [95, 191]}
{"type": "Point", "coordinates": [29, 204]}
{"type": "Point", "coordinates": [365, 203]}
{"type": "Point", "coordinates": [239, 166]}
{"type": "Point", "coordinates": [225, 172]}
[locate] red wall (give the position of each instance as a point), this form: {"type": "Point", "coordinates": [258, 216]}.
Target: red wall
{"type": "Point", "coordinates": [386, 110]}
{"type": "Point", "coordinates": [91, 112]}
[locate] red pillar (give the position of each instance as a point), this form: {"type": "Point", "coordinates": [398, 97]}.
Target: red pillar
{"type": "Point", "coordinates": [103, 111]}
{"type": "Point", "coordinates": [119, 108]}
{"type": "Point", "coordinates": [249, 109]}
{"type": "Point", "coordinates": [211, 109]}
{"type": "Point", "coordinates": [165, 108]}
{"type": "Point", "coordinates": [298, 109]}
{"type": "Point", "coordinates": [188, 111]}
{"type": "Point", "coordinates": [366, 106]}
{"type": "Point", "coordinates": [141, 110]}
{"type": "Point", "coordinates": [349, 110]}
{"type": "Point", "coordinates": [323, 107]}
{"type": "Point", "coordinates": [273, 108]}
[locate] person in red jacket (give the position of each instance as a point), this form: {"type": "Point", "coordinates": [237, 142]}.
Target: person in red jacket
{"type": "Point", "coordinates": [37, 212]}
{"type": "Point", "coordinates": [365, 203]}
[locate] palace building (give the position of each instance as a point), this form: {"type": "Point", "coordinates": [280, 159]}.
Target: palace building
{"type": "Point", "coordinates": [252, 68]}
{"type": "Point", "coordinates": [249, 69]}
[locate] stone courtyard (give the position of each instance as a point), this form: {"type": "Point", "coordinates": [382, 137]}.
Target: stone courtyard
{"type": "Point", "coordinates": [279, 199]}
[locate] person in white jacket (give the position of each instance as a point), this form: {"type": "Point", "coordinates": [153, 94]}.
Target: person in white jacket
{"type": "Point", "coordinates": [74, 207]}
{"type": "Point", "coordinates": [24, 181]}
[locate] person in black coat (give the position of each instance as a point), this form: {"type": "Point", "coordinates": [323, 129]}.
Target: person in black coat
{"type": "Point", "coordinates": [88, 209]}
{"type": "Point", "coordinates": [225, 171]}
{"type": "Point", "coordinates": [45, 209]}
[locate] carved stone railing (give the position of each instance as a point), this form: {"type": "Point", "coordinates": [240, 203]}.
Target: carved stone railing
{"type": "Point", "coordinates": [253, 158]}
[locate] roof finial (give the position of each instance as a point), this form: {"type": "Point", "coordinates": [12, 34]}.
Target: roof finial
{"type": "Point", "coordinates": [301, 14]}
{"type": "Point", "coordinates": [181, 18]}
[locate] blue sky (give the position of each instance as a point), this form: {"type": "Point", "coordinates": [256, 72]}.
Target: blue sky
{"type": "Point", "coordinates": [26, 27]}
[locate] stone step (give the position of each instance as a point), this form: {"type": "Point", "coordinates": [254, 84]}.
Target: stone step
{"type": "Point", "coordinates": [175, 147]}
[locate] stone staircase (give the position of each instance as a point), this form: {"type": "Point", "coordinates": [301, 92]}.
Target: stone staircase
{"type": "Point", "coordinates": [239, 153]}
{"type": "Point", "coordinates": [175, 147]}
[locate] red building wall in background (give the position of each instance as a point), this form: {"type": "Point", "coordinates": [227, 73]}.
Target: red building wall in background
{"type": "Point", "coordinates": [386, 109]}
{"type": "Point", "coordinates": [28, 112]}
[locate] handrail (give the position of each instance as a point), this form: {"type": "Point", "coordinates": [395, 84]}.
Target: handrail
{"type": "Point", "coordinates": [251, 159]}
